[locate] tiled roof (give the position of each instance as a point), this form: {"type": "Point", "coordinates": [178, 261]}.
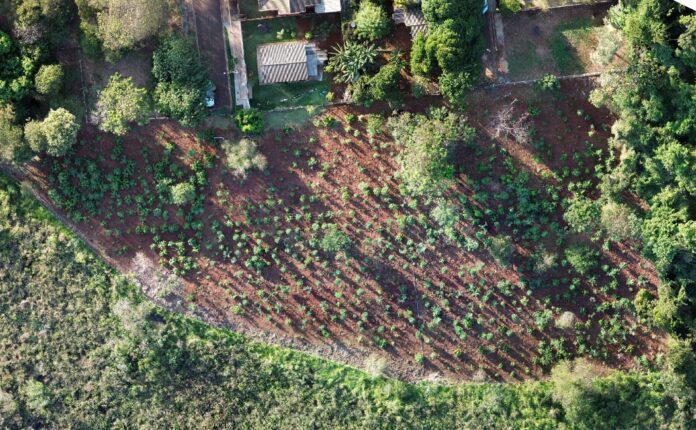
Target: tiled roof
{"type": "Point", "coordinates": [412, 18]}
{"type": "Point", "coordinates": [285, 7]}
{"type": "Point", "coordinates": [282, 62]}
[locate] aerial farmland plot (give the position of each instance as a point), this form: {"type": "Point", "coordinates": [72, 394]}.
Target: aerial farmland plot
{"type": "Point", "coordinates": [315, 214]}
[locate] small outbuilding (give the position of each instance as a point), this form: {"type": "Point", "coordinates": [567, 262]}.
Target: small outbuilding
{"type": "Point", "coordinates": [293, 7]}
{"type": "Point", "coordinates": [412, 18]}
{"type": "Point", "coordinates": [295, 61]}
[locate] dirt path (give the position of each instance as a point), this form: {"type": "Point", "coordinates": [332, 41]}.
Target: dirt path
{"type": "Point", "coordinates": [211, 42]}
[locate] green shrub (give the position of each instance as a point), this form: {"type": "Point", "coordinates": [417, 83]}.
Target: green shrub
{"type": "Point", "coordinates": [249, 121]}
{"type": "Point", "coordinates": [548, 83]}
{"type": "Point", "coordinates": [582, 258]}
{"type": "Point", "coordinates": [371, 21]}
{"type": "Point", "coordinates": [183, 193]}
{"type": "Point", "coordinates": [334, 240]}
{"type": "Point", "coordinates": [49, 79]}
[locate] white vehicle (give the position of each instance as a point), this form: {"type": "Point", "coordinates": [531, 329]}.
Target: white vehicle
{"type": "Point", "coordinates": [210, 95]}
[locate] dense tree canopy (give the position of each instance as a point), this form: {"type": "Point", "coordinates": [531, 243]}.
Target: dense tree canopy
{"type": "Point", "coordinates": [655, 135]}
{"type": "Point", "coordinates": [17, 69]}
{"type": "Point", "coordinates": [49, 79]}
{"type": "Point", "coordinates": [452, 48]}
{"type": "Point", "coordinates": [371, 21]}
{"type": "Point", "coordinates": [121, 25]}
{"type": "Point", "coordinates": [120, 104]}
{"type": "Point", "coordinates": [426, 143]}
{"type": "Point", "coordinates": [181, 78]}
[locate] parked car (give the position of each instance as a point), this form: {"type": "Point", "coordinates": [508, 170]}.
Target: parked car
{"type": "Point", "coordinates": [210, 95]}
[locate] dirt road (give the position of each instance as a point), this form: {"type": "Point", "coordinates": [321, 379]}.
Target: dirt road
{"type": "Point", "coordinates": [211, 43]}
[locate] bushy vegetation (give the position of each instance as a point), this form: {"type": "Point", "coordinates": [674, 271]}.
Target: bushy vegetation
{"type": "Point", "coordinates": [426, 143]}
{"type": "Point", "coordinates": [371, 21]}
{"type": "Point", "coordinates": [349, 61]}
{"type": "Point", "coordinates": [49, 79]}
{"type": "Point", "coordinates": [654, 142]}
{"type": "Point", "coordinates": [249, 121]}
{"type": "Point", "coordinates": [55, 135]}
{"type": "Point", "coordinates": [120, 25]}
{"type": "Point", "coordinates": [243, 156]}
{"type": "Point", "coordinates": [181, 78]}
{"type": "Point", "coordinates": [151, 366]}
{"type": "Point", "coordinates": [120, 104]}
{"type": "Point", "coordinates": [452, 48]}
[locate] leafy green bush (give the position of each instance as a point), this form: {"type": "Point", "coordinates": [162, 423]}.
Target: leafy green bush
{"type": "Point", "coordinates": [49, 79]}
{"type": "Point", "coordinates": [582, 258]}
{"type": "Point", "coordinates": [249, 121]}
{"type": "Point", "coordinates": [425, 144]}
{"type": "Point", "coordinates": [183, 193]}
{"type": "Point", "coordinates": [619, 221]}
{"type": "Point", "coordinates": [11, 143]}
{"type": "Point", "coordinates": [582, 215]}
{"type": "Point", "coordinates": [371, 21]}
{"type": "Point", "coordinates": [334, 240]}
{"type": "Point", "coordinates": [349, 61]}
{"type": "Point", "coordinates": [181, 78]}
{"type": "Point", "coordinates": [56, 134]}
{"type": "Point", "coordinates": [548, 83]}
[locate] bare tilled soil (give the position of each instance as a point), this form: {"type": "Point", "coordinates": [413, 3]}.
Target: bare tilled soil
{"type": "Point", "coordinates": [401, 290]}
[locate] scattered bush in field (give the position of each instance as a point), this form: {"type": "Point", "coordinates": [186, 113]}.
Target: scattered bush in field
{"type": "Point", "coordinates": [425, 147]}
{"type": "Point", "coordinates": [566, 321]}
{"type": "Point", "coordinates": [582, 258]}
{"type": "Point", "coordinates": [121, 103]}
{"type": "Point", "coordinates": [243, 156]}
{"type": "Point", "coordinates": [249, 121]}
{"type": "Point", "coordinates": [334, 240]}
{"type": "Point", "coordinates": [619, 221]}
{"type": "Point", "coordinates": [375, 365]}
{"type": "Point", "coordinates": [183, 193]}
{"type": "Point", "coordinates": [644, 302]}
{"type": "Point", "coordinates": [446, 215]}
{"type": "Point", "coordinates": [49, 79]}
{"type": "Point", "coordinates": [375, 122]}
{"type": "Point", "coordinates": [582, 215]}
{"type": "Point", "coordinates": [548, 83]}
{"type": "Point", "coordinates": [501, 248]}
{"type": "Point", "coordinates": [371, 21]}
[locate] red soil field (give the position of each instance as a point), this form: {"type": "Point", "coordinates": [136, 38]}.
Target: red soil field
{"type": "Point", "coordinates": [404, 291]}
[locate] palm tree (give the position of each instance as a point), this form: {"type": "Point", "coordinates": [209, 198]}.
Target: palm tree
{"type": "Point", "coordinates": [350, 59]}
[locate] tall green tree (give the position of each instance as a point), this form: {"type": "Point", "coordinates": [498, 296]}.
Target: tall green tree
{"type": "Point", "coordinates": [120, 104]}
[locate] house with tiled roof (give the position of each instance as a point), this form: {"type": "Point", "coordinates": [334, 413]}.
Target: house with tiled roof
{"type": "Point", "coordinates": [292, 7]}
{"type": "Point", "coordinates": [295, 61]}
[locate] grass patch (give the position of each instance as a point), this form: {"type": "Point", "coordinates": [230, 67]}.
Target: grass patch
{"type": "Point", "coordinates": [291, 118]}
{"type": "Point", "coordinates": [524, 61]}
{"type": "Point", "coordinates": [278, 95]}
{"type": "Point", "coordinates": [568, 40]}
